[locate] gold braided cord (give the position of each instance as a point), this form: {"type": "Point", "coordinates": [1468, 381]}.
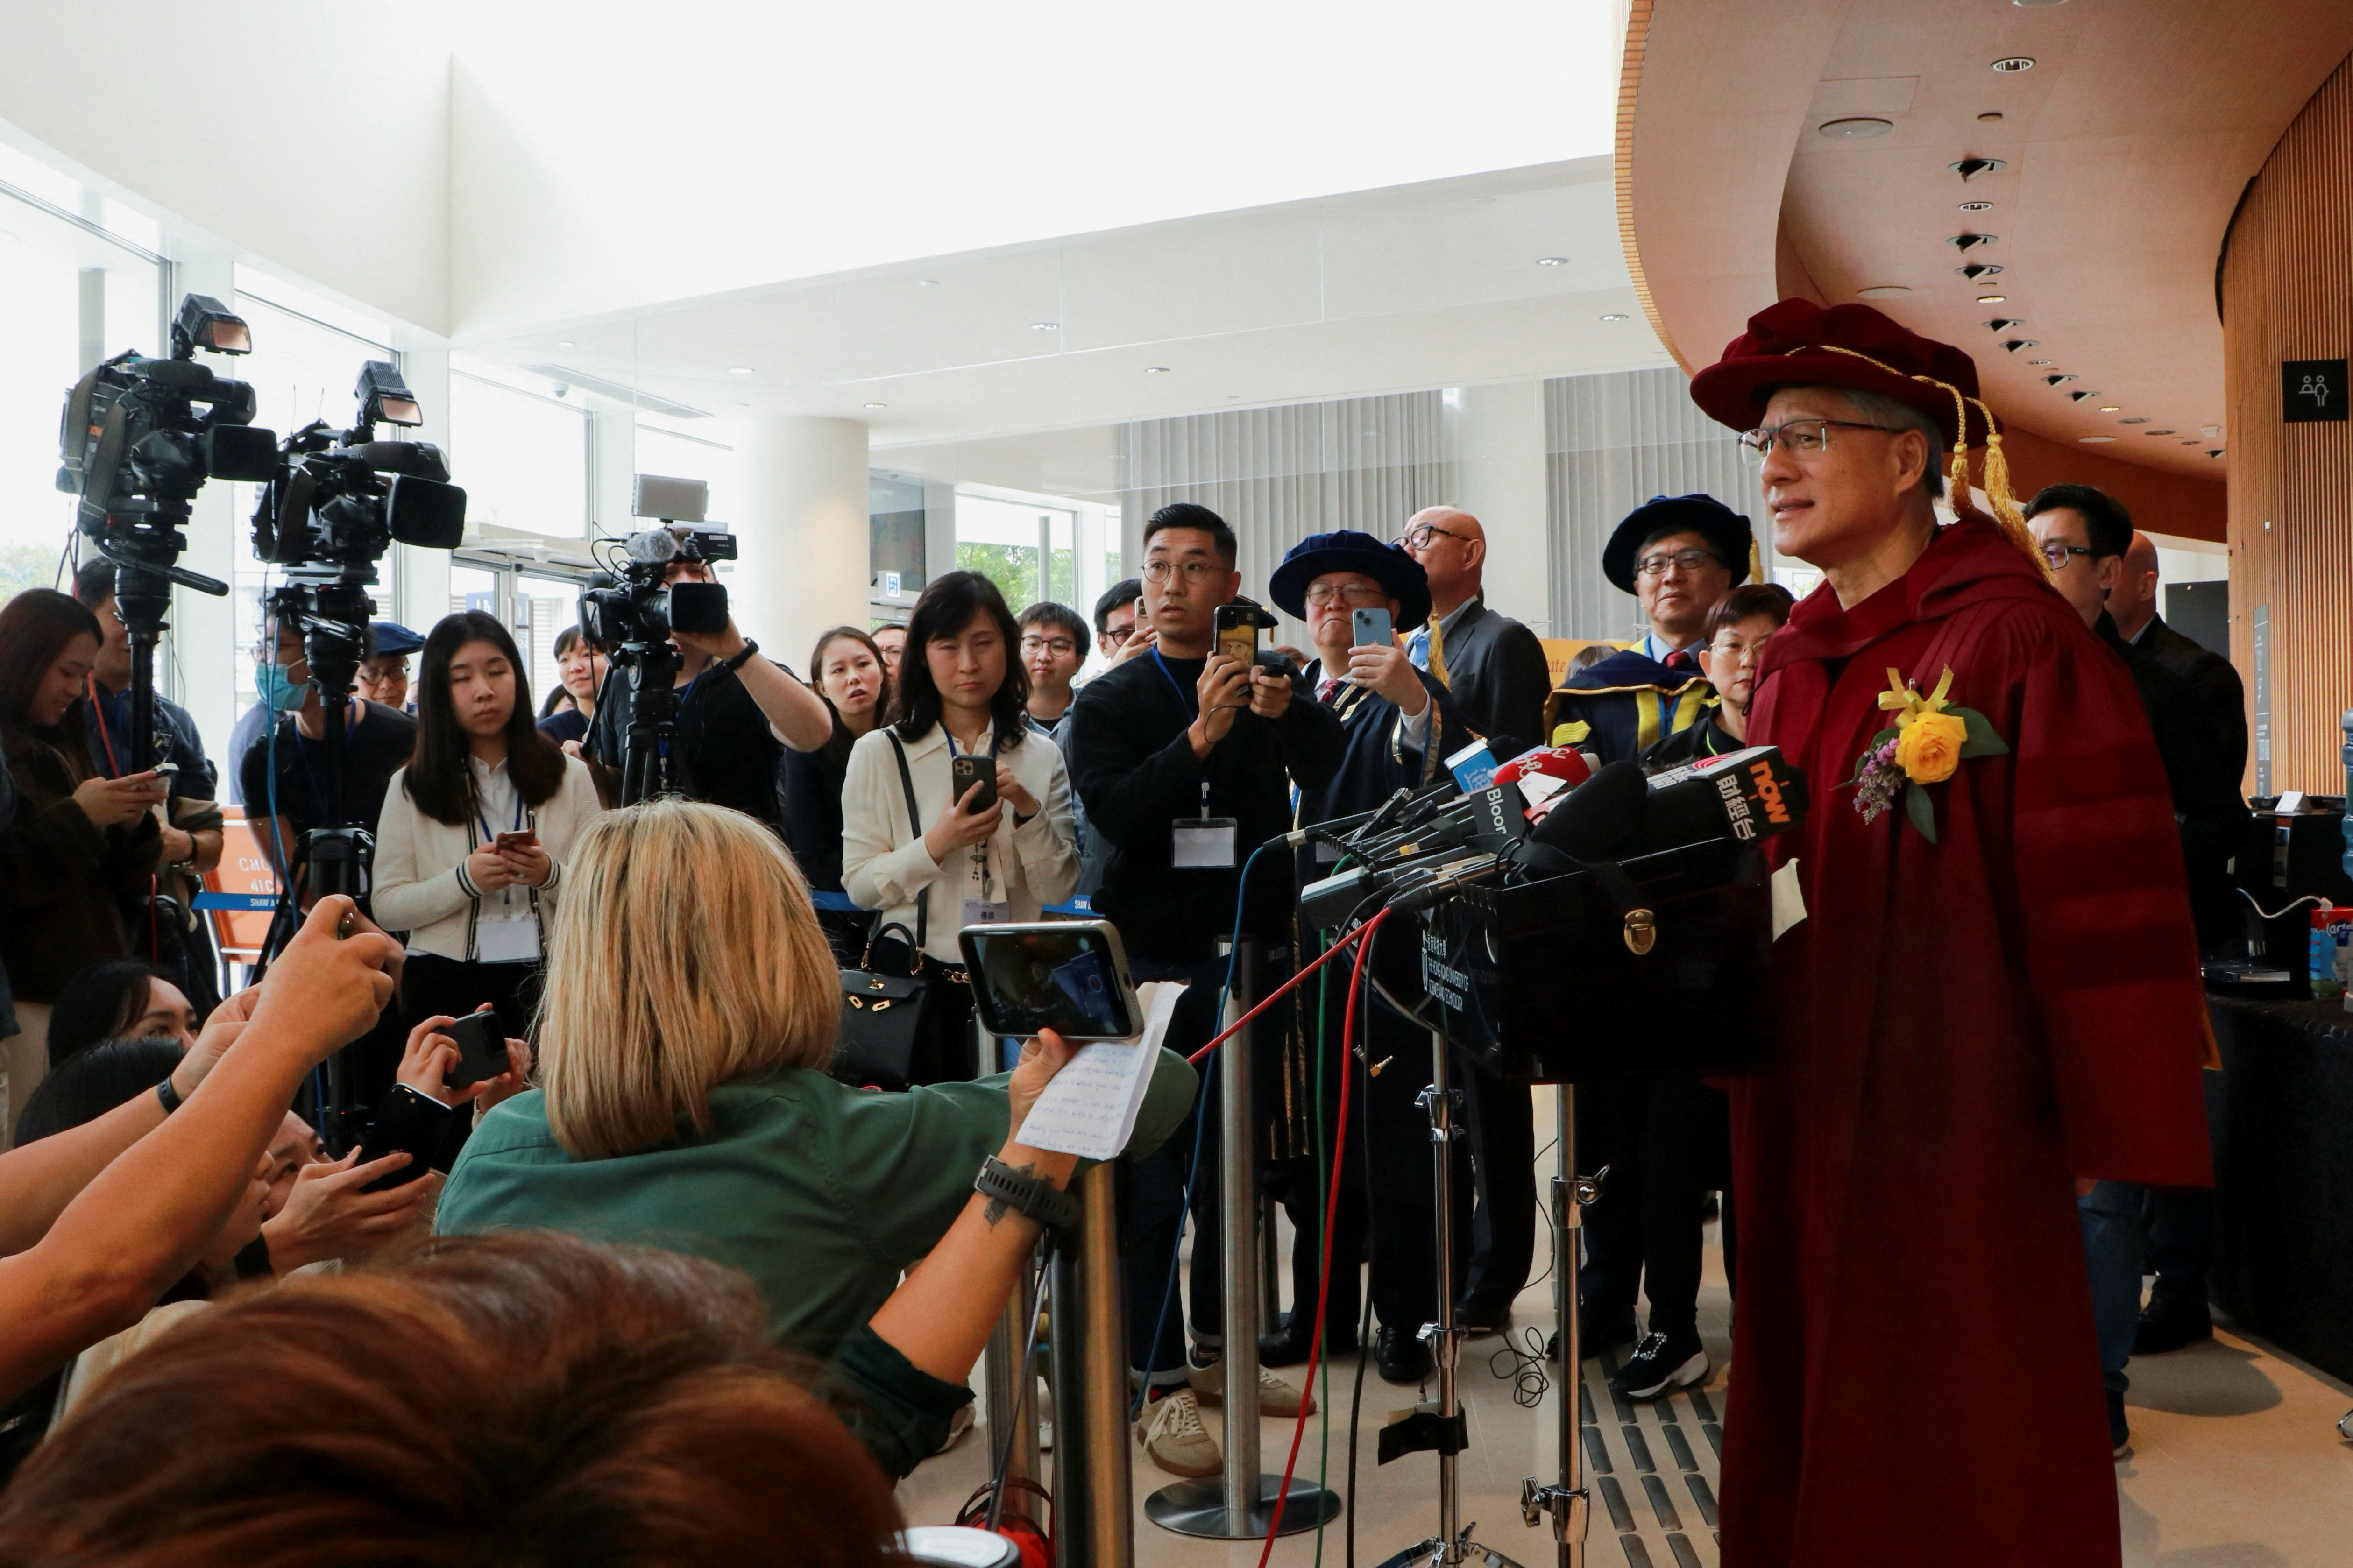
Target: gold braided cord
{"type": "Point", "coordinates": [2006, 513]}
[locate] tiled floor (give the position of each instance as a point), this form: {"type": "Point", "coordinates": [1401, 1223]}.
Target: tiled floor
{"type": "Point", "coordinates": [2236, 1463]}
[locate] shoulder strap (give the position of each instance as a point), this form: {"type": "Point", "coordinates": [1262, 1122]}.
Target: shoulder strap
{"type": "Point", "coordinates": [915, 821]}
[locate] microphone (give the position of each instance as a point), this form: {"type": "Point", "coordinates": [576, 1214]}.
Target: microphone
{"type": "Point", "coordinates": [1592, 819]}
{"type": "Point", "coordinates": [653, 547]}
{"type": "Point", "coordinates": [1617, 814]}
{"type": "Point", "coordinates": [1487, 820]}
{"type": "Point", "coordinates": [1545, 771]}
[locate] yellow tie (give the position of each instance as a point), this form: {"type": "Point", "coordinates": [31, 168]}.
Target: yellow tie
{"type": "Point", "coordinates": [1436, 650]}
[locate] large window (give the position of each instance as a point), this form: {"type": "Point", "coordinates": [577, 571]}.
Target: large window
{"type": "Point", "coordinates": [1028, 550]}
{"type": "Point", "coordinates": [522, 454]}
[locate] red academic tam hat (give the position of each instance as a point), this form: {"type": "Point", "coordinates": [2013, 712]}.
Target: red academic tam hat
{"type": "Point", "coordinates": [1798, 343]}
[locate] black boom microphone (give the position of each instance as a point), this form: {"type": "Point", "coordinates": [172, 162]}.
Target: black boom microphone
{"type": "Point", "coordinates": [1618, 814]}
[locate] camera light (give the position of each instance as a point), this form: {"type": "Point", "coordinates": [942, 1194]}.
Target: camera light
{"type": "Point", "coordinates": [385, 396]}
{"type": "Point", "coordinates": [205, 322]}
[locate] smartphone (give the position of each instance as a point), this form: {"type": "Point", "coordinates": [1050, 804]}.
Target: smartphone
{"type": "Point", "coordinates": [406, 1120]}
{"type": "Point", "coordinates": [481, 1049]}
{"type": "Point", "coordinates": [525, 839]}
{"type": "Point", "coordinates": [1374, 629]}
{"type": "Point", "coordinates": [165, 773]}
{"type": "Point", "coordinates": [963, 772]}
{"type": "Point", "coordinates": [1236, 629]}
{"type": "Point", "coordinates": [1069, 976]}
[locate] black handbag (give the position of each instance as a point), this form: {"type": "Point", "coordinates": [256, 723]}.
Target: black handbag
{"type": "Point", "coordinates": [882, 1036]}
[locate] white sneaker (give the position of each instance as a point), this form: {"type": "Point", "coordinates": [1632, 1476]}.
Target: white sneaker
{"type": "Point", "coordinates": [1276, 1396]}
{"type": "Point", "coordinates": [1173, 1435]}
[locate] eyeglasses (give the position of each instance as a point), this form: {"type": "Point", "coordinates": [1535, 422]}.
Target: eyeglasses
{"type": "Point", "coordinates": [1419, 536]}
{"type": "Point", "coordinates": [1798, 437]}
{"type": "Point", "coordinates": [1356, 595]}
{"type": "Point", "coordinates": [1739, 652]}
{"type": "Point", "coordinates": [1196, 572]}
{"type": "Point", "coordinates": [1061, 647]}
{"type": "Point", "coordinates": [2056, 550]}
{"type": "Point", "coordinates": [1690, 560]}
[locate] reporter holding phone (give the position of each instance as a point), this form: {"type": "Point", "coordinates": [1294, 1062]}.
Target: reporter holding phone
{"type": "Point", "coordinates": [82, 845]}
{"type": "Point", "coordinates": [471, 844]}
{"type": "Point", "coordinates": [932, 857]}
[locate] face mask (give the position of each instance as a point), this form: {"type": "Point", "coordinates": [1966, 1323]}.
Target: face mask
{"type": "Point", "coordinates": [282, 694]}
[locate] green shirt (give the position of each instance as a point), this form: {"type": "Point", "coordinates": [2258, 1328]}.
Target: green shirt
{"type": "Point", "coordinates": [821, 1193]}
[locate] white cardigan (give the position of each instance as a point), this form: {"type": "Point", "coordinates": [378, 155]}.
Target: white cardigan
{"type": "Point", "coordinates": [420, 883]}
{"type": "Point", "coordinates": [885, 865]}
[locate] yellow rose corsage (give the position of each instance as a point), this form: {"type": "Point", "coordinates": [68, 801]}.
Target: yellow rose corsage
{"type": "Point", "coordinates": [1930, 739]}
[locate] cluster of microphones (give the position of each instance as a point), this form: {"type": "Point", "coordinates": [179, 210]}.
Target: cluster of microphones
{"type": "Point", "coordinates": [1548, 812]}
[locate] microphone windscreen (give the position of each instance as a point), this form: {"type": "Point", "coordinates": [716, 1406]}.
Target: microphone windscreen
{"type": "Point", "coordinates": [1590, 822]}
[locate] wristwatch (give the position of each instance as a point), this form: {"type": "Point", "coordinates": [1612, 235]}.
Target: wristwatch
{"type": "Point", "coordinates": [735, 660]}
{"type": "Point", "coordinates": [1032, 1195]}
{"type": "Point", "coordinates": [169, 1096]}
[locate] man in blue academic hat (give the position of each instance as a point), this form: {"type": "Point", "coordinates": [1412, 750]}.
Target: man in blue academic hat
{"type": "Point", "coordinates": [1677, 555]}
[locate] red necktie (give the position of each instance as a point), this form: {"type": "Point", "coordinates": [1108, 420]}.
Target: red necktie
{"type": "Point", "coordinates": [1331, 683]}
{"type": "Point", "coordinates": [1680, 659]}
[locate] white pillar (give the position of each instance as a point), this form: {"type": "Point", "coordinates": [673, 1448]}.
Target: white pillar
{"type": "Point", "coordinates": [1498, 443]}
{"type": "Point", "coordinates": [803, 538]}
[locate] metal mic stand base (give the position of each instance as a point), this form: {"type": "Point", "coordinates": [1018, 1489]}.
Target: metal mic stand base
{"type": "Point", "coordinates": [1198, 1507]}
{"type": "Point", "coordinates": [1432, 1553]}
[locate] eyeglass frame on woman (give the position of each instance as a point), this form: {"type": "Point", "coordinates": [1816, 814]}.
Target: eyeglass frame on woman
{"type": "Point", "coordinates": [1196, 572]}
{"type": "Point", "coordinates": [1406, 541]}
{"type": "Point", "coordinates": [1757, 444]}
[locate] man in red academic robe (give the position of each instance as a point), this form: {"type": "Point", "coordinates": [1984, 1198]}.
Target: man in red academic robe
{"type": "Point", "coordinates": [1994, 996]}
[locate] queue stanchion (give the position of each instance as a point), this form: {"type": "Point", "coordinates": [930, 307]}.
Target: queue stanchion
{"type": "Point", "coordinates": [1239, 1505]}
{"type": "Point", "coordinates": [1095, 1510]}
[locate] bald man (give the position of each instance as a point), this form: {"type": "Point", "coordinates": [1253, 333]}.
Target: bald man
{"type": "Point", "coordinates": [1495, 670]}
{"type": "Point", "coordinates": [2132, 602]}
{"type": "Point", "coordinates": [1493, 665]}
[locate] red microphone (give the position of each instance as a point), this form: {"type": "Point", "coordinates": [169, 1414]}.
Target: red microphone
{"type": "Point", "coordinates": [1543, 773]}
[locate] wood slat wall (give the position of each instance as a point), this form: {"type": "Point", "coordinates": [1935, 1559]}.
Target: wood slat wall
{"type": "Point", "coordinates": [2287, 294]}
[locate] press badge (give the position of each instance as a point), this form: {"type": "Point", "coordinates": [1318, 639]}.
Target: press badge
{"type": "Point", "coordinates": [981, 912]}
{"type": "Point", "coordinates": [514, 941]}
{"type": "Point", "coordinates": [1202, 844]}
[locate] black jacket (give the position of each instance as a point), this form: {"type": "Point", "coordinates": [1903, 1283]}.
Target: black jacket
{"type": "Point", "coordinates": [1137, 773]}
{"type": "Point", "coordinates": [2203, 774]}
{"type": "Point", "coordinates": [2215, 680]}
{"type": "Point", "coordinates": [1496, 673]}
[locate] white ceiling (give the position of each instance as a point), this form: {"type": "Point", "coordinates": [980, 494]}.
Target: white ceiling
{"type": "Point", "coordinates": [1427, 285]}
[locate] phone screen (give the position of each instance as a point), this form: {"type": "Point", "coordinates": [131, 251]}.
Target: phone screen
{"type": "Point", "coordinates": [1066, 981]}
{"type": "Point", "coordinates": [1237, 631]}
{"type": "Point", "coordinates": [1373, 629]}
{"type": "Point", "coordinates": [526, 839]}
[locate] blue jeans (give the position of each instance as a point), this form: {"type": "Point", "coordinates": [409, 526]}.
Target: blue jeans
{"type": "Point", "coordinates": [2110, 1215]}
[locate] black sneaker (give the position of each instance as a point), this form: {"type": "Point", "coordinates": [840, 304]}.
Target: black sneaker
{"type": "Point", "coordinates": [1661, 1363]}
{"type": "Point", "coordinates": [2163, 1329]}
{"type": "Point", "coordinates": [2119, 1430]}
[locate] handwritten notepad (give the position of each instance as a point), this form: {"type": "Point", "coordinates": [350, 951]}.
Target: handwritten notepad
{"type": "Point", "coordinates": [1089, 1108]}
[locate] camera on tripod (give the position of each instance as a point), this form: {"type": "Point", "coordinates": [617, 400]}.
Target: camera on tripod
{"type": "Point", "coordinates": [342, 497]}
{"type": "Point", "coordinates": [631, 605]}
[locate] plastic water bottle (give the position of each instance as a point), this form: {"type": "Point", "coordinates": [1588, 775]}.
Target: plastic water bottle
{"type": "Point", "coordinates": [2348, 824]}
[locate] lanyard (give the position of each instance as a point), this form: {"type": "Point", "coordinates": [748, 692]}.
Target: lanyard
{"type": "Point", "coordinates": [995, 740]}
{"type": "Point", "coordinates": [1174, 684]}
{"type": "Point", "coordinates": [106, 731]}
{"type": "Point", "coordinates": [489, 836]}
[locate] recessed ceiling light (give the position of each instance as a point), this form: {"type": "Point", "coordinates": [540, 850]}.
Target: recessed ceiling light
{"type": "Point", "coordinates": [1552, 261]}
{"type": "Point", "coordinates": [927, 283]}
{"type": "Point", "coordinates": [2003, 323]}
{"type": "Point", "coordinates": [2014, 345]}
{"type": "Point", "coordinates": [2157, 432]}
{"type": "Point", "coordinates": [877, 405]}
{"type": "Point", "coordinates": [2093, 440]}
{"type": "Point", "coordinates": [1991, 117]}
{"type": "Point", "coordinates": [1976, 270]}
{"type": "Point", "coordinates": [2036, 4]}
{"type": "Point", "coordinates": [1856, 127]}
{"type": "Point", "coordinates": [2138, 419]}
{"type": "Point", "coordinates": [2080, 396]}
{"type": "Point", "coordinates": [2038, 362]}
{"type": "Point", "coordinates": [2055, 380]}
{"type": "Point", "coordinates": [1993, 299]}
{"type": "Point", "coordinates": [2010, 65]}
{"type": "Point", "coordinates": [1970, 168]}
{"type": "Point", "coordinates": [1976, 206]}
{"type": "Point", "coordinates": [1882, 291]}
{"type": "Point", "coordinates": [1482, 200]}
{"type": "Point", "coordinates": [1044, 326]}
{"type": "Point", "coordinates": [2209, 430]}
{"type": "Point", "coordinates": [1615, 316]}
{"type": "Point", "coordinates": [565, 343]}
{"type": "Point", "coordinates": [1968, 242]}
{"type": "Point", "coordinates": [2110, 407]}
{"type": "Point", "coordinates": [739, 370]}
{"type": "Point", "coordinates": [2215, 453]}
{"type": "Point", "coordinates": [1155, 370]}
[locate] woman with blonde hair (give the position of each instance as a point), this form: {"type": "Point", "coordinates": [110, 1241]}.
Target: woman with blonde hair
{"type": "Point", "coordinates": [684, 1102]}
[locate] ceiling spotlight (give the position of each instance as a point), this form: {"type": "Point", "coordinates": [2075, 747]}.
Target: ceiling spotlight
{"type": "Point", "coordinates": [877, 405]}
{"type": "Point", "coordinates": [1882, 291]}
{"type": "Point", "coordinates": [1976, 206]}
{"type": "Point", "coordinates": [2139, 419]}
{"type": "Point", "coordinates": [1970, 168]}
{"type": "Point", "coordinates": [2215, 453]}
{"type": "Point", "coordinates": [1552, 261]}
{"type": "Point", "coordinates": [565, 343]}
{"type": "Point", "coordinates": [2192, 441]}
{"type": "Point", "coordinates": [2038, 362]}
{"type": "Point", "coordinates": [1992, 299]}
{"type": "Point", "coordinates": [1991, 117]}
{"type": "Point", "coordinates": [1615, 316]}
{"type": "Point", "coordinates": [1976, 270]}
{"type": "Point", "coordinates": [2003, 323]}
{"type": "Point", "coordinates": [2110, 407]}
{"type": "Point", "coordinates": [2080, 396]}
{"type": "Point", "coordinates": [2056, 380]}
{"type": "Point", "coordinates": [2093, 440]}
{"type": "Point", "coordinates": [739, 370]}
{"type": "Point", "coordinates": [1966, 243]}
{"type": "Point", "coordinates": [1155, 370]}
{"type": "Point", "coordinates": [1858, 128]}
{"type": "Point", "coordinates": [927, 283]}
{"type": "Point", "coordinates": [2157, 432]}
{"type": "Point", "coordinates": [2013, 344]}
{"type": "Point", "coordinates": [1045, 326]}
{"type": "Point", "coordinates": [2010, 65]}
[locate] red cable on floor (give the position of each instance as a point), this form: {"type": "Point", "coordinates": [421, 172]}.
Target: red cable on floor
{"type": "Point", "coordinates": [1331, 1213]}
{"type": "Point", "coordinates": [1287, 987]}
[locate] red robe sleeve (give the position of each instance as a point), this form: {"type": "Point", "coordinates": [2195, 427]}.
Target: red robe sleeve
{"type": "Point", "coordinates": [2112, 972]}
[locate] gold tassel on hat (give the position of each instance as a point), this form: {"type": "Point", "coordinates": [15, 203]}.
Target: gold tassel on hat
{"type": "Point", "coordinates": [1756, 561]}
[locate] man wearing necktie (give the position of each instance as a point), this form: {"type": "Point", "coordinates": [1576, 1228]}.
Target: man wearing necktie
{"type": "Point", "coordinates": [1677, 555]}
{"type": "Point", "coordinates": [1489, 664]}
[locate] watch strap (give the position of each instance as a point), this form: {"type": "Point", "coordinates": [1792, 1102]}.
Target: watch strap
{"type": "Point", "coordinates": [741, 655]}
{"type": "Point", "coordinates": [169, 1097]}
{"type": "Point", "coordinates": [1032, 1195]}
